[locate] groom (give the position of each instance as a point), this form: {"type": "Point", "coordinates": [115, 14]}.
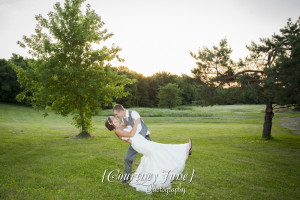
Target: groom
{"type": "Point", "coordinates": [128, 118]}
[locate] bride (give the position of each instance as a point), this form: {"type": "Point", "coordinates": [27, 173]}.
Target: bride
{"type": "Point", "coordinates": [160, 163]}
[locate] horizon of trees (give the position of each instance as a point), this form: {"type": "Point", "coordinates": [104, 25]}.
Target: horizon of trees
{"type": "Point", "coordinates": [142, 93]}
{"type": "Point", "coordinates": [144, 90]}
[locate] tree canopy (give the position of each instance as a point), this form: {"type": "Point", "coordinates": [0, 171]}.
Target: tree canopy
{"type": "Point", "coordinates": [69, 76]}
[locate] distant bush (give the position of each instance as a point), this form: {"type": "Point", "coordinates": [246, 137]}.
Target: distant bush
{"type": "Point", "coordinates": [169, 96]}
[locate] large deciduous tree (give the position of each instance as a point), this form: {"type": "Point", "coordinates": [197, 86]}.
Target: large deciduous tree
{"type": "Point", "coordinates": [70, 75]}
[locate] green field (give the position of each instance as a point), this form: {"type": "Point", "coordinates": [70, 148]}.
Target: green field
{"type": "Point", "coordinates": [40, 160]}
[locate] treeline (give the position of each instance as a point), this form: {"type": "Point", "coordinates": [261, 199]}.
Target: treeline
{"type": "Point", "coordinates": [9, 86]}
{"type": "Point", "coordinates": [144, 92]}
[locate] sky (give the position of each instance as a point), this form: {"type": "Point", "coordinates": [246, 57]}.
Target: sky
{"type": "Point", "coordinates": [158, 35]}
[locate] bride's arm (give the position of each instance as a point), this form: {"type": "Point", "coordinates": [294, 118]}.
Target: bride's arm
{"type": "Point", "coordinates": [120, 137]}
{"type": "Point", "coordinates": [122, 133]}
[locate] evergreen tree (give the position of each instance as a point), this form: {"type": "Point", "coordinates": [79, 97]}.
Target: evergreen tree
{"type": "Point", "coordinates": [271, 71]}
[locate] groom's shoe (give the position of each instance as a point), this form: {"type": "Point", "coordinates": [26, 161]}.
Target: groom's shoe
{"type": "Point", "coordinates": [190, 147]}
{"type": "Point", "coordinates": [124, 181]}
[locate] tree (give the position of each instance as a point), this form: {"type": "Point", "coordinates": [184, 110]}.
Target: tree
{"type": "Point", "coordinates": [213, 66]}
{"type": "Point", "coordinates": [132, 99]}
{"type": "Point", "coordinates": [271, 71]}
{"type": "Point", "coordinates": [9, 86]}
{"type": "Point", "coordinates": [278, 57]}
{"type": "Point", "coordinates": [158, 80]}
{"type": "Point", "coordinates": [287, 67]}
{"type": "Point", "coordinates": [189, 89]}
{"type": "Point", "coordinates": [143, 93]}
{"type": "Point", "coordinates": [69, 76]}
{"type": "Point", "coordinates": [169, 96]}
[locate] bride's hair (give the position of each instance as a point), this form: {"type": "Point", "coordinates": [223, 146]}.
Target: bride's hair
{"type": "Point", "coordinates": [109, 124]}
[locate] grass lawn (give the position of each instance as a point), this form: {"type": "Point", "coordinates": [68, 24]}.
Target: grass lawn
{"type": "Point", "coordinates": [39, 160]}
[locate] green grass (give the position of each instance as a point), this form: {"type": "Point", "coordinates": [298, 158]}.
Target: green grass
{"type": "Point", "coordinates": [38, 160]}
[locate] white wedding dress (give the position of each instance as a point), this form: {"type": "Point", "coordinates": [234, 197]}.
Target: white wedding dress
{"type": "Point", "coordinates": [159, 165]}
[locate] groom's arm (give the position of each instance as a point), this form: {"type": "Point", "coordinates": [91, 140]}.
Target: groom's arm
{"type": "Point", "coordinates": [123, 133]}
{"type": "Point", "coordinates": [123, 123]}
{"type": "Point", "coordinates": [135, 115]}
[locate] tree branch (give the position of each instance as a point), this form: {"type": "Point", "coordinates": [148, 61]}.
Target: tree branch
{"type": "Point", "coordinates": [250, 70]}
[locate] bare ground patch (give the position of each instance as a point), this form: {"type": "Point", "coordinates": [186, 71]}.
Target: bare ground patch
{"type": "Point", "coordinates": [292, 124]}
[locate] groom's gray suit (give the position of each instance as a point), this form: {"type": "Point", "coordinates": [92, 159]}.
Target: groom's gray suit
{"type": "Point", "coordinates": [131, 153]}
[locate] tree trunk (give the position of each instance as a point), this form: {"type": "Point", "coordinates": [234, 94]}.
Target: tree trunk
{"type": "Point", "coordinates": [83, 133]}
{"type": "Point", "coordinates": [268, 121]}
